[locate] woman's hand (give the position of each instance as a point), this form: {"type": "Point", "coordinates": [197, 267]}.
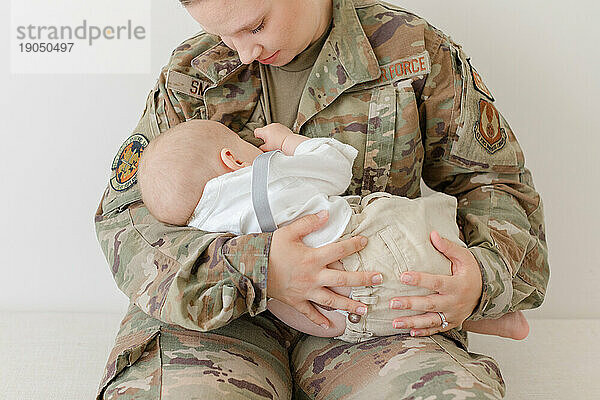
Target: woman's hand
{"type": "Point", "coordinates": [298, 274]}
{"type": "Point", "coordinates": [456, 297]}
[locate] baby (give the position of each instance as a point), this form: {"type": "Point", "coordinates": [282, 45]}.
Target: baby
{"type": "Point", "coordinates": [201, 174]}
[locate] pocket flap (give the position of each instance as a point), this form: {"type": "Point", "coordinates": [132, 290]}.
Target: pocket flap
{"type": "Point", "coordinates": [389, 237]}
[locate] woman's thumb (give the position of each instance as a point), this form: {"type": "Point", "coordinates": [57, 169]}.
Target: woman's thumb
{"type": "Point", "coordinates": [446, 247]}
{"type": "Point", "coordinates": [309, 223]}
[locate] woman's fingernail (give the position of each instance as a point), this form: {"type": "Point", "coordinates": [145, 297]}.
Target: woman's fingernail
{"type": "Point", "coordinates": [322, 214]}
{"type": "Point", "coordinates": [399, 325]}
{"type": "Point", "coordinates": [361, 310]}
{"type": "Point", "coordinates": [377, 279]}
{"type": "Point", "coordinates": [325, 326]}
{"type": "Point", "coordinates": [364, 241]}
{"type": "Point", "coordinates": [396, 304]}
{"type": "Point", "coordinates": [406, 278]}
{"type": "Point", "coordinates": [413, 333]}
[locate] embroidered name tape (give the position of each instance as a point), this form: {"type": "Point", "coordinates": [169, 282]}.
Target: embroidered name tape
{"type": "Point", "coordinates": [183, 83]}
{"type": "Point", "coordinates": [405, 68]}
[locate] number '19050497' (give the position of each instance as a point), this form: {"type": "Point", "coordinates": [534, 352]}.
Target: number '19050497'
{"type": "Point", "coordinates": [46, 47]}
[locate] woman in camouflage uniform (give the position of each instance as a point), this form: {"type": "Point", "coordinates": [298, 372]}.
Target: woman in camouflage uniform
{"type": "Point", "coordinates": [410, 101]}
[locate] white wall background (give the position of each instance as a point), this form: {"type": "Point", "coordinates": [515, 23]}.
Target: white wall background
{"type": "Point", "coordinates": [60, 133]}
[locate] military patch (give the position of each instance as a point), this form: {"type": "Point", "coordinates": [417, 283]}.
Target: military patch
{"type": "Point", "coordinates": [478, 82]}
{"type": "Point", "coordinates": [184, 84]}
{"type": "Point", "coordinates": [488, 131]}
{"type": "Point", "coordinates": [126, 162]}
{"type": "Point", "coordinates": [405, 68]}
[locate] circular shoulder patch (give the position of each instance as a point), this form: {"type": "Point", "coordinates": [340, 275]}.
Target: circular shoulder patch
{"type": "Point", "coordinates": [126, 161]}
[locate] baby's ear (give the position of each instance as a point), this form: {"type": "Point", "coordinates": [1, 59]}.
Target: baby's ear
{"type": "Point", "coordinates": [230, 160]}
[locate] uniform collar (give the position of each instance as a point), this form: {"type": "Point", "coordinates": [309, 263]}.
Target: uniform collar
{"type": "Point", "coordinates": [217, 63]}
{"type": "Point", "coordinates": [351, 45]}
{"type": "Point", "coordinates": [347, 59]}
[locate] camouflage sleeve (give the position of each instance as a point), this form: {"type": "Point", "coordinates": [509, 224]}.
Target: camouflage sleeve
{"type": "Point", "coordinates": [472, 154]}
{"type": "Point", "coordinates": [179, 275]}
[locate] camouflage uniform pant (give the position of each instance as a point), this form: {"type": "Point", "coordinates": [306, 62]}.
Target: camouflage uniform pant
{"type": "Point", "coordinates": [261, 358]}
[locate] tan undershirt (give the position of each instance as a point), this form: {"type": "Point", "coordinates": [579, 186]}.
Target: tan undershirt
{"type": "Point", "coordinates": [284, 85]}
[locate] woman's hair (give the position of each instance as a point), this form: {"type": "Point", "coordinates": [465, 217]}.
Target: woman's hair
{"type": "Point", "coordinates": [175, 167]}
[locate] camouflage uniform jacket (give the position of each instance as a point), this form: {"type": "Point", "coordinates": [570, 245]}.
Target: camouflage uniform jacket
{"type": "Point", "coordinates": [388, 83]}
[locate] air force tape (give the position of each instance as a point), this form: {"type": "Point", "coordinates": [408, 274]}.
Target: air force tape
{"type": "Point", "coordinates": [405, 68]}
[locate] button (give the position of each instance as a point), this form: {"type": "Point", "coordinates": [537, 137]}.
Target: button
{"type": "Point", "coordinates": [354, 318]}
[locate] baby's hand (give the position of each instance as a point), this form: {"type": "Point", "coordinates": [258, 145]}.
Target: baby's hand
{"type": "Point", "coordinates": [273, 135]}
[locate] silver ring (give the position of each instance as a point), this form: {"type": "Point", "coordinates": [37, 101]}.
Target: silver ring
{"type": "Point", "coordinates": [443, 318]}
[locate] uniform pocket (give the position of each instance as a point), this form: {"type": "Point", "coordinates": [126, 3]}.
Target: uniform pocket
{"type": "Point", "coordinates": [405, 169]}
{"type": "Point", "coordinates": [381, 131]}
{"type": "Point", "coordinates": [366, 120]}
{"type": "Point", "coordinates": [483, 140]}
{"type": "Point", "coordinates": [128, 366]}
{"type": "Point", "coordinates": [390, 237]}
{"type": "Point", "coordinates": [191, 107]}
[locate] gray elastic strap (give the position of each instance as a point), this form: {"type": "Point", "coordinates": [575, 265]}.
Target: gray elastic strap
{"type": "Point", "coordinates": [260, 195]}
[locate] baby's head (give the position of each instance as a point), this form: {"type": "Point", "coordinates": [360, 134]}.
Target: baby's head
{"type": "Point", "coordinates": [175, 166]}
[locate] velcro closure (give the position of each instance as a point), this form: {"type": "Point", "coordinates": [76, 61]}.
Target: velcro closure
{"type": "Point", "coordinates": [367, 299]}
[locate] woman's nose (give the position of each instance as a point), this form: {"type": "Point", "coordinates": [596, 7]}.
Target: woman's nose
{"type": "Point", "coordinates": [248, 51]}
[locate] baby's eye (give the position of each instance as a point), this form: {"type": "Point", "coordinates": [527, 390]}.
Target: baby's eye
{"type": "Point", "coordinates": [258, 28]}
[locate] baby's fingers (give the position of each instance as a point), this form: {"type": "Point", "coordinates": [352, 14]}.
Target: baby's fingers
{"type": "Point", "coordinates": [259, 133]}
